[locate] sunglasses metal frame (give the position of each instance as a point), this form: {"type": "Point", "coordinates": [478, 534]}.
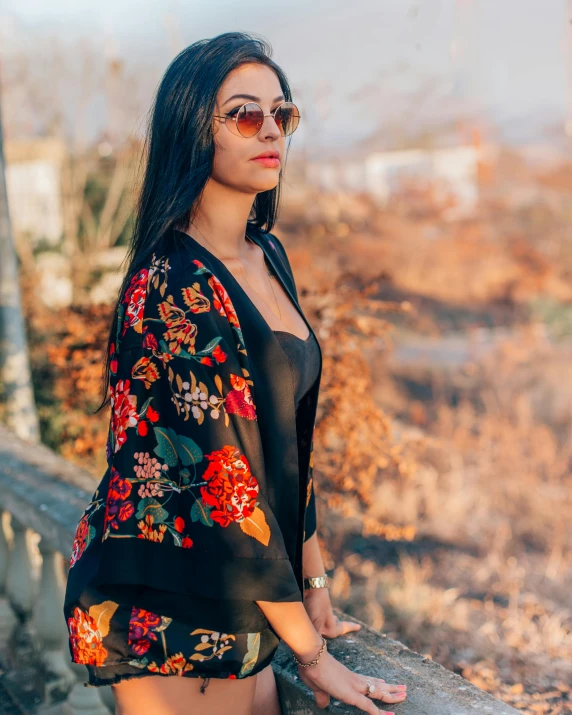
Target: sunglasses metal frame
{"type": "Point", "coordinates": [226, 117]}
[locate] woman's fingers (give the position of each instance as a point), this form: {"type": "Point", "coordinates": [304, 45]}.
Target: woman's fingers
{"type": "Point", "coordinates": [386, 697]}
{"type": "Point", "coordinates": [348, 627]}
{"type": "Point", "coordinates": [365, 704]}
{"type": "Point", "coordinates": [383, 691]}
{"type": "Point", "coordinates": [382, 685]}
{"type": "Point", "coordinates": [322, 698]}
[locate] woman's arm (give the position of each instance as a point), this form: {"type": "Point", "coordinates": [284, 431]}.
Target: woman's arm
{"type": "Point", "coordinates": [293, 625]}
{"type": "Point", "coordinates": [329, 677]}
{"type": "Point", "coordinates": [291, 620]}
{"type": "Point", "coordinates": [312, 563]}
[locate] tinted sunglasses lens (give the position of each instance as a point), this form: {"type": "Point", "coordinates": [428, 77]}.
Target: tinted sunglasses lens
{"type": "Point", "coordinates": [249, 119]}
{"type": "Point", "coordinates": [287, 118]}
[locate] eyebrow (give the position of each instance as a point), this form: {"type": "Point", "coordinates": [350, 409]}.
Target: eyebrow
{"type": "Point", "coordinates": [252, 97]}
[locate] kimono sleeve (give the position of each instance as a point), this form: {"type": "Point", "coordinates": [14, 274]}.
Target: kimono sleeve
{"type": "Point", "coordinates": [310, 521]}
{"type": "Point", "coordinates": [186, 506]}
{"type": "Point", "coordinates": [310, 525]}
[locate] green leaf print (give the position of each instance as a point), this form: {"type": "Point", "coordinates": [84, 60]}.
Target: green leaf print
{"type": "Point", "coordinates": [148, 505]}
{"type": "Point", "coordinates": [250, 658]}
{"type": "Point", "coordinates": [200, 512]}
{"type": "Point", "coordinates": [172, 447]}
{"type": "Point", "coordinates": [188, 450]}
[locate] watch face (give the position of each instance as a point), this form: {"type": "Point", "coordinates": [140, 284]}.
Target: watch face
{"type": "Point", "coordinates": [316, 582]}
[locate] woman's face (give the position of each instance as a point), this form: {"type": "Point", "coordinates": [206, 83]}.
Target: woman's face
{"type": "Point", "coordinates": [233, 161]}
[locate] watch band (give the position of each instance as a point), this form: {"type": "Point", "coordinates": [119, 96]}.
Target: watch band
{"type": "Point", "coordinates": [316, 582]}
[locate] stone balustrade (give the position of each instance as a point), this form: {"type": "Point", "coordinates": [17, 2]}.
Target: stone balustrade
{"type": "Point", "coordinates": [42, 497]}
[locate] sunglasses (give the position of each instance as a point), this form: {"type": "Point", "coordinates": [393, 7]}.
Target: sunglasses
{"type": "Point", "coordinates": [247, 121]}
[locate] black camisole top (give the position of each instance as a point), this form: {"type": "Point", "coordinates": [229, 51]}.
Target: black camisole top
{"type": "Point", "coordinates": [304, 358]}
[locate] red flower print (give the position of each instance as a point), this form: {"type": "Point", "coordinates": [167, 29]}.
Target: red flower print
{"type": "Point", "coordinates": [80, 539]}
{"type": "Point", "coordinates": [142, 428]}
{"type": "Point", "coordinates": [187, 542]}
{"type": "Point", "coordinates": [232, 489]}
{"type": "Point", "coordinates": [195, 300]}
{"type": "Point", "coordinates": [123, 411]}
{"type": "Point", "coordinates": [116, 508]}
{"type": "Point", "coordinates": [148, 531]}
{"type": "Point", "coordinates": [219, 354]}
{"type": "Point", "coordinates": [119, 488]}
{"type": "Point", "coordinates": [239, 400]}
{"type": "Point", "coordinates": [150, 342]}
{"type": "Point", "coordinates": [146, 370]}
{"type": "Point", "coordinates": [113, 362]}
{"type": "Point", "coordinates": [142, 629]}
{"type": "Point", "coordinates": [85, 639]}
{"type": "Point", "coordinates": [222, 301]}
{"type": "Point", "coordinates": [179, 524]}
{"type": "Point", "coordinates": [126, 510]}
{"type": "Point", "coordinates": [151, 414]}
{"type": "Point", "coordinates": [134, 301]}
{"type": "Point", "coordinates": [174, 665]}
{"type": "Point", "coordinates": [180, 330]}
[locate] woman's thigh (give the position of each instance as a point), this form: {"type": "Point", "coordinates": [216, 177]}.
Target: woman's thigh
{"type": "Point", "coordinates": [266, 700]}
{"type": "Point", "coordinates": [174, 695]}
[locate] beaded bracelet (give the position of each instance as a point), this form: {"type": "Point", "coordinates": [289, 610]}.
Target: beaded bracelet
{"type": "Point", "coordinates": [316, 659]}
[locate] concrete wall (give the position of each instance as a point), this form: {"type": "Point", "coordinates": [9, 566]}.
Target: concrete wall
{"type": "Point", "coordinates": [48, 495]}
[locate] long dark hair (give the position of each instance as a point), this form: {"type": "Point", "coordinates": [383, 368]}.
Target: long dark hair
{"type": "Point", "coordinates": [178, 152]}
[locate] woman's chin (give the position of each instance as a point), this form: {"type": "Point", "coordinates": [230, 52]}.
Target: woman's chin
{"type": "Point", "coordinates": [269, 183]}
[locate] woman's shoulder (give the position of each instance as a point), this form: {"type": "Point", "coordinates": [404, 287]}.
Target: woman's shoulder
{"type": "Point", "coordinates": [169, 288]}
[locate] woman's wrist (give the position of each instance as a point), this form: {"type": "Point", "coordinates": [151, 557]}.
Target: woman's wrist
{"type": "Point", "coordinates": [316, 581]}
{"type": "Point", "coordinates": [311, 652]}
{"type": "Point", "coordinates": [291, 622]}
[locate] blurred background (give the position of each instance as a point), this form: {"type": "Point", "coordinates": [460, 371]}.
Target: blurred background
{"type": "Point", "coordinates": [426, 211]}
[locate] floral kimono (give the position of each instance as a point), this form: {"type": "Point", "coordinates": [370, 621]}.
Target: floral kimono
{"type": "Point", "coordinates": [208, 494]}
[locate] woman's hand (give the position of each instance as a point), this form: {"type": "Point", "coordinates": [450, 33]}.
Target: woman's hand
{"type": "Point", "coordinates": [319, 607]}
{"type": "Point", "coordinates": [329, 677]}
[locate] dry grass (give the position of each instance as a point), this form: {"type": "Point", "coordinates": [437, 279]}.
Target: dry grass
{"type": "Point", "coordinates": [455, 508]}
{"type": "Point", "coordinates": [485, 586]}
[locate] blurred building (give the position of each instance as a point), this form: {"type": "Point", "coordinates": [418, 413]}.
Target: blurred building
{"type": "Point", "coordinates": [34, 183]}
{"type": "Point", "coordinates": [451, 171]}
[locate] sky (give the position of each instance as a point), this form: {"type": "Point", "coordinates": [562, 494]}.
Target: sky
{"type": "Point", "coordinates": [356, 65]}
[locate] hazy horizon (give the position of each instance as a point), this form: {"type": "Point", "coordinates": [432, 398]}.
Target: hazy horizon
{"type": "Point", "coordinates": [507, 63]}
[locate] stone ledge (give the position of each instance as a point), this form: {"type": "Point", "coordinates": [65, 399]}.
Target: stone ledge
{"type": "Point", "coordinates": [431, 688]}
{"type": "Point", "coordinates": [48, 505]}
{"type": "Point", "coordinates": [48, 495]}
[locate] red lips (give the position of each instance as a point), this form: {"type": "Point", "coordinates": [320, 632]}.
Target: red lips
{"type": "Point", "coordinates": [271, 154]}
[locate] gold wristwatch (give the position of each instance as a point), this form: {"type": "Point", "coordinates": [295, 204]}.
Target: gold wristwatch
{"type": "Point", "coordinates": [316, 582]}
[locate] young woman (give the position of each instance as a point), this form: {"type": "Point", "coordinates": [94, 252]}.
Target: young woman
{"type": "Point", "coordinates": [193, 554]}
